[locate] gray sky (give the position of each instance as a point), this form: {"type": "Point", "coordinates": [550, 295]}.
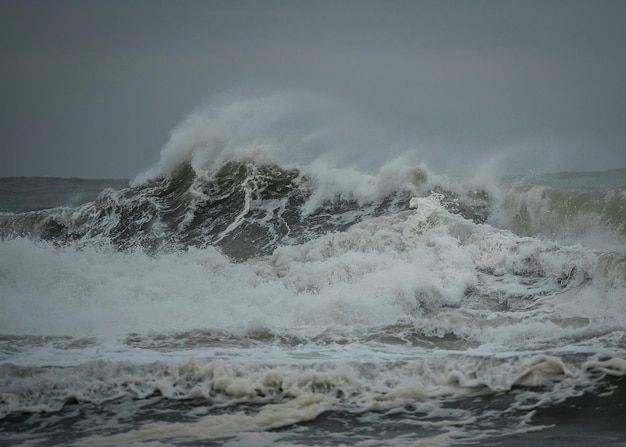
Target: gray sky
{"type": "Point", "coordinates": [94, 88]}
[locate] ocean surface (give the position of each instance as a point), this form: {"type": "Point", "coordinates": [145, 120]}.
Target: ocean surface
{"type": "Point", "coordinates": [236, 301]}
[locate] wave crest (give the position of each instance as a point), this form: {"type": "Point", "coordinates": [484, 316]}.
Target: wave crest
{"type": "Point", "coordinates": [245, 208]}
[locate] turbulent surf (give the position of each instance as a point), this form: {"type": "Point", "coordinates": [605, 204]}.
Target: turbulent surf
{"type": "Point", "coordinates": [230, 299]}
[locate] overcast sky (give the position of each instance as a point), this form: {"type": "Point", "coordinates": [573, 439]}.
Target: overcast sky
{"type": "Point", "coordinates": [94, 88]}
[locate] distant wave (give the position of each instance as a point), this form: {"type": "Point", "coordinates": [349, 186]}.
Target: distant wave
{"type": "Point", "coordinates": [568, 215]}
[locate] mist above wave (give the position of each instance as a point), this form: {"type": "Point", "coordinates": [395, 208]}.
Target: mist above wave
{"type": "Point", "coordinates": [282, 128]}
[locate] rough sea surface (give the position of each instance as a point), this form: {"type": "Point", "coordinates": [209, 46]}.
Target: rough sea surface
{"type": "Point", "coordinates": [232, 300]}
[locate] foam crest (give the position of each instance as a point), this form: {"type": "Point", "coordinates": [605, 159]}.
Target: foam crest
{"type": "Point", "coordinates": [399, 174]}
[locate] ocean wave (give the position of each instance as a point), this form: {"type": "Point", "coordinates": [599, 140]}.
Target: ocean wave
{"type": "Point", "coordinates": [227, 294]}
{"type": "Point", "coordinates": [566, 215]}
{"type": "Point", "coordinates": [246, 209]}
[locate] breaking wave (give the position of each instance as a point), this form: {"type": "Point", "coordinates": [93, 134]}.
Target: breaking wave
{"type": "Point", "coordinates": [278, 293]}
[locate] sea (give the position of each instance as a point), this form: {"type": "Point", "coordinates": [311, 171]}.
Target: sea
{"type": "Point", "coordinates": [237, 301]}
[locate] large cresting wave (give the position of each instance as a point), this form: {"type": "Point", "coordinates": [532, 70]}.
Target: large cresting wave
{"type": "Point", "coordinates": [231, 294]}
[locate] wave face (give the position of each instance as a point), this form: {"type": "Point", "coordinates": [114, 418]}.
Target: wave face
{"type": "Point", "coordinates": [226, 298]}
{"type": "Point", "coordinates": [244, 208]}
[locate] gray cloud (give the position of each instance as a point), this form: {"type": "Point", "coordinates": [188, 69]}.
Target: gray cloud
{"type": "Point", "coordinates": [93, 89]}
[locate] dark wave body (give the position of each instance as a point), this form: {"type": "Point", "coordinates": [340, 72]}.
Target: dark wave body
{"type": "Point", "coordinates": [244, 208]}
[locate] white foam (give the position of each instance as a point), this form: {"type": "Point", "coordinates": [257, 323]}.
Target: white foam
{"type": "Point", "coordinates": [292, 393]}
{"type": "Point", "coordinates": [304, 407]}
{"type": "Point", "coordinates": [365, 276]}
{"type": "Point", "coordinates": [425, 267]}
